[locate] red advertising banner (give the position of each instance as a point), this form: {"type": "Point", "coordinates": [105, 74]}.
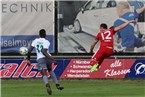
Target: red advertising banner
{"type": "Point", "coordinates": [110, 68]}
{"type": "Point", "coordinates": [77, 68]}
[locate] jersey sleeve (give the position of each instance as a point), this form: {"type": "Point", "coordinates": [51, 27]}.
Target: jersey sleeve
{"type": "Point", "coordinates": [46, 45]}
{"type": "Point", "coordinates": [97, 37]}
{"type": "Point", "coordinates": [33, 43]}
{"type": "Point", "coordinates": [112, 30]}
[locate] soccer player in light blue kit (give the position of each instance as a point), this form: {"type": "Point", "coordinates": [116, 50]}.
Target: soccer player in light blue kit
{"type": "Point", "coordinates": [129, 40]}
{"type": "Point", "coordinates": [44, 59]}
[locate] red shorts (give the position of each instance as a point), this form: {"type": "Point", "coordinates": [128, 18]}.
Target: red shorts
{"type": "Point", "coordinates": [102, 53]}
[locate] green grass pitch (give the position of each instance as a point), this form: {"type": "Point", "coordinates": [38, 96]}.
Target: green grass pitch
{"type": "Point", "coordinates": [74, 88]}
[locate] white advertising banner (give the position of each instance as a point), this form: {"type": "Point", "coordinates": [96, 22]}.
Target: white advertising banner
{"type": "Point", "coordinates": [22, 20]}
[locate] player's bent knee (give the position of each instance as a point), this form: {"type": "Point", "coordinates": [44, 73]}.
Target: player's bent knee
{"type": "Point", "coordinates": [93, 62]}
{"type": "Point", "coordinates": [43, 71]}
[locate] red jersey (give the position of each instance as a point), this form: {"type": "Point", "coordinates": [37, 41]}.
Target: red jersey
{"type": "Point", "coordinates": [106, 38]}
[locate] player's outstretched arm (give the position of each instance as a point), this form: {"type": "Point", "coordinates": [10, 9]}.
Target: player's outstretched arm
{"type": "Point", "coordinates": [29, 54]}
{"type": "Point", "coordinates": [123, 25]}
{"type": "Point", "coordinates": [140, 10]}
{"type": "Point", "coordinates": [44, 51]}
{"type": "Point", "coordinates": [93, 45]}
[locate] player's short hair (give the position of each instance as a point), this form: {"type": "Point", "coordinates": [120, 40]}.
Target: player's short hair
{"type": "Point", "coordinates": [42, 33]}
{"type": "Point", "coordinates": [123, 5]}
{"type": "Point", "coordinates": [104, 25]}
{"type": "Point", "coordinates": [111, 27]}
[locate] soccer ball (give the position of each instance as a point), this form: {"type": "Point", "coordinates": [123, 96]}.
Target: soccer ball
{"type": "Point", "coordinates": [23, 50]}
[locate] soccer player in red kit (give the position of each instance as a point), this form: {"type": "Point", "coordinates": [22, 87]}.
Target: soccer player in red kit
{"type": "Point", "coordinates": [106, 44]}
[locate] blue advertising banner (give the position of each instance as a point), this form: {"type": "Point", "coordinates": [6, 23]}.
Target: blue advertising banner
{"type": "Point", "coordinates": [19, 69]}
{"type": "Point", "coordinates": [13, 43]}
{"type": "Point", "coordinates": [137, 70]}
{"type": "Point", "coordinates": [75, 68]}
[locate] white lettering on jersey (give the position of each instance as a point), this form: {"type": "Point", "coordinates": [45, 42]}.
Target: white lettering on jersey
{"type": "Point", "coordinates": [108, 37]}
{"type": "Point", "coordinates": [39, 44]}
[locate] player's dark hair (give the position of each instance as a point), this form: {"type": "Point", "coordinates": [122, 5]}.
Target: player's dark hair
{"type": "Point", "coordinates": [111, 27]}
{"type": "Point", "coordinates": [42, 33]}
{"type": "Point", "coordinates": [104, 25]}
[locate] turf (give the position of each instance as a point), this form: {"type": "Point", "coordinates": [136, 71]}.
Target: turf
{"type": "Point", "coordinates": [74, 88]}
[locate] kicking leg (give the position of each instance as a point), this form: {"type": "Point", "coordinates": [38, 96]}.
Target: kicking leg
{"type": "Point", "coordinates": [53, 76]}
{"type": "Point", "coordinates": [45, 79]}
{"type": "Point", "coordinates": [94, 65]}
{"type": "Point", "coordinates": [96, 60]}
